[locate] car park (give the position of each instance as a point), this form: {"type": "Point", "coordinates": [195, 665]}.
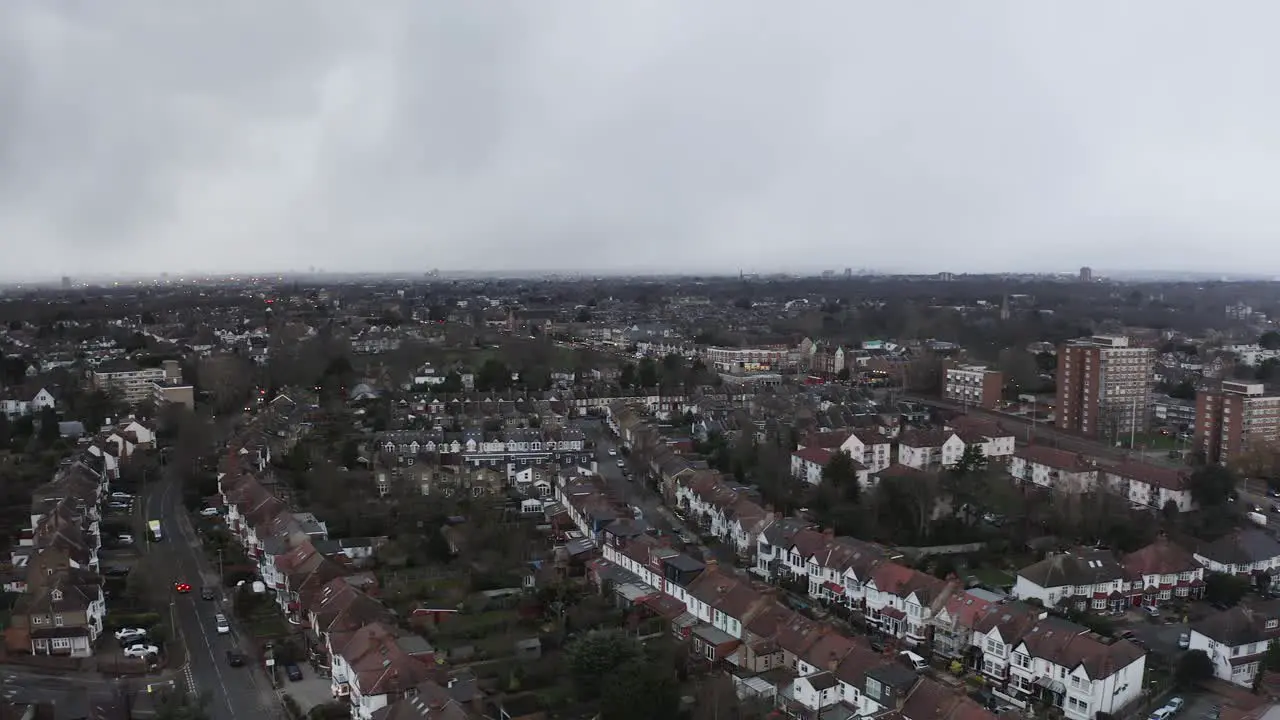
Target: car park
{"type": "Point", "coordinates": [141, 651]}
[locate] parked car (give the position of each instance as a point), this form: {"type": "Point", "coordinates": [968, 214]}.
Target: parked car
{"type": "Point", "coordinates": [1151, 611]}
{"type": "Point", "coordinates": [141, 651]}
{"type": "Point", "coordinates": [1184, 641]}
{"type": "Point", "coordinates": [612, 451]}
{"type": "Point", "coordinates": [220, 622]}
{"type": "Point", "coordinates": [121, 495]}
{"type": "Point", "coordinates": [130, 635]}
{"type": "Point", "coordinates": [293, 672]}
{"type": "Point", "coordinates": [235, 658]}
{"type": "Point", "coordinates": [125, 539]}
{"type": "Point", "coordinates": [1163, 713]}
{"type": "Point", "coordinates": [209, 512]}
{"type": "Point", "coordinates": [1175, 704]}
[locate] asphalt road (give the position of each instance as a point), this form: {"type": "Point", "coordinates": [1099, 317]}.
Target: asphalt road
{"type": "Point", "coordinates": [234, 693]}
{"type": "Point", "coordinates": [635, 490]}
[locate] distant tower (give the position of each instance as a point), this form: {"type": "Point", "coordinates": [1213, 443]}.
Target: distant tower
{"type": "Point", "coordinates": [66, 283]}
{"type": "Point", "coordinates": [1086, 274]}
{"type": "Point", "coordinates": [848, 273]}
{"type": "Point", "coordinates": [1004, 308]}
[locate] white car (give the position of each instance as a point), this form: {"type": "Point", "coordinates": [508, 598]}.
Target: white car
{"type": "Point", "coordinates": [209, 512]}
{"type": "Point", "coordinates": [613, 451]}
{"type": "Point", "coordinates": [125, 635]}
{"type": "Point", "coordinates": [141, 651]}
{"type": "Point", "coordinates": [125, 539]}
{"type": "Point", "coordinates": [220, 622]}
{"type": "Point", "coordinates": [121, 495]}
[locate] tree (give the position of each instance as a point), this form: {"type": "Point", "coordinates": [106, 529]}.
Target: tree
{"type": "Point", "coordinates": [647, 374]}
{"type": "Point", "coordinates": [1212, 485]}
{"type": "Point", "coordinates": [1193, 669]}
{"type": "Point", "coordinates": [49, 432]}
{"type": "Point", "coordinates": [841, 473]}
{"type": "Point", "coordinates": [1270, 340]}
{"type": "Point", "coordinates": [1225, 589]}
{"type": "Point", "coordinates": [493, 375]}
{"type": "Point", "coordinates": [594, 656]}
{"type": "Point", "coordinates": [640, 689]}
{"type": "Point", "coordinates": [627, 378]}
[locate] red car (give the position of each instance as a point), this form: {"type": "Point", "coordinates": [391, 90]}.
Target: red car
{"type": "Point", "coordinates": [182, 587]}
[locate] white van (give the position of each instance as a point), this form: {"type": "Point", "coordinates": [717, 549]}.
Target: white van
{"type": "Point", "coordinates": [916, 662]}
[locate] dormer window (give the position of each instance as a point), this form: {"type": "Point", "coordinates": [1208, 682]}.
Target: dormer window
{"type": "Point", "coordinates": [56, 595]}
{"type": "Point", "coordinates": [1273, 624]}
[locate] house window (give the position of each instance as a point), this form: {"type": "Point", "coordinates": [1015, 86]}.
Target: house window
{"type": "Point", "coordinates": [873, 688]}
{"type": "Point", "coordinates": [37, 620]}
{"type": "Point", "coordinates": [60, 643]}
{"type": "Point", "coordinates": [57, 620]}
{"type": "Point", "coordinates": [1077, 705]}
{"type": "Point", "coordinates": [995, 647]}
{"type": "Point", "coordinates": [1273, 624]}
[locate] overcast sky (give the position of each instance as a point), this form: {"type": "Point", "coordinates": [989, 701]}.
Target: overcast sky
{"type": "Point", "coordinates": [405, 135]}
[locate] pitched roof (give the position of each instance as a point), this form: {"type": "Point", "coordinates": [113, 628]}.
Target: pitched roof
{"type": "Point", "coordinates": [1080, 567]}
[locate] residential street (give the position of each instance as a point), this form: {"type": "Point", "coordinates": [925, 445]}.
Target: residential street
{"type": "Point", "coordinates": [234, 692]}
{"type": "Point", "coordinates": [635, 489]}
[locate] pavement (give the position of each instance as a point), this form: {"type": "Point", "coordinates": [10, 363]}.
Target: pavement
{"type": "Point", "coordinates": [234, 693]}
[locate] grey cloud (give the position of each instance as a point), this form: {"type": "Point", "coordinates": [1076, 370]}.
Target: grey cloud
{"type": "Point", "coordinates": [145, 136]}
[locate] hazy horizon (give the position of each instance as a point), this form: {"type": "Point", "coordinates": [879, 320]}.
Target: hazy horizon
{"type": "Point", "coordinates": [630, 137]}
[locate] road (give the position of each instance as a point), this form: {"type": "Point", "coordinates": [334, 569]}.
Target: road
{"type": "Point", "coordinates": [234, 693]}
{"type": "Point", "coordinates": [635, 490]}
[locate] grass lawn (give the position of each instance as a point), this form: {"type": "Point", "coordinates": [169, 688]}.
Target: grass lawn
{"type": "Point", "coordinates": [1152, 441]}
{"type": "Point", "coordinates": [992, 577]}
